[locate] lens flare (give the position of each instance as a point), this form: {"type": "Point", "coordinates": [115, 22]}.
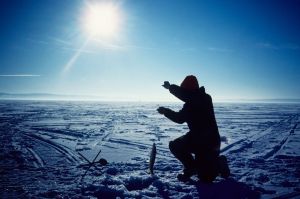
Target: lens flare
{"type": "Point", "coordinates": [100, 21]}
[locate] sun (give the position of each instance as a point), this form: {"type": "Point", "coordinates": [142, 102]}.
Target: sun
{"type": "Point", "coordinates": [101, 20]}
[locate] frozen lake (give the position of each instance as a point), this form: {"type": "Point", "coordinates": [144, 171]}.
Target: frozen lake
{"type": "Point", "coordinates": [41, 141]}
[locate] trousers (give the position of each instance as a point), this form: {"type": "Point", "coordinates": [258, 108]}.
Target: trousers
{"type": "Point", "coordinates": [196, 158]}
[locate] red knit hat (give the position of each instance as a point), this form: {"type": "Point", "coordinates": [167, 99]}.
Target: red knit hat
{"type": "Point", "coordinates": [190, 82]}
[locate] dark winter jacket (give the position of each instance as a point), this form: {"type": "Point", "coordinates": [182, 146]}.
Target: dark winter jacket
{"type": "Point", "coordinates": [198, 113]}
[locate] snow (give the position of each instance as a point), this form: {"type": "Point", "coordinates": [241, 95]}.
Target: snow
{"type": "Point", "coordinates": [41, 142]}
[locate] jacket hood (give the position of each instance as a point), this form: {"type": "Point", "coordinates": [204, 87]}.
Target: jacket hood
{"type": "Point", "coordinates": [190, 83]}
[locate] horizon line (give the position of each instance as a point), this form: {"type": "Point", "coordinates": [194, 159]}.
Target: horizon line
{"type": "Point", "coordinates": [72, 97]}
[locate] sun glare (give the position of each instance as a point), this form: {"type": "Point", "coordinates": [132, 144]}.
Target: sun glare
{"type": "Point", "coordinates": [101, 19]}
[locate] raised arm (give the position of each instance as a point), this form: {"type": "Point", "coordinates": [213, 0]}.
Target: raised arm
{"type": "Point", "coordinates": [177, 91]}
{"type": "Point", "coordinates": [180, 93]}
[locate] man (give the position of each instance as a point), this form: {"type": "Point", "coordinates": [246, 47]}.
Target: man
{"type": "Point", "coordinates": [203, 139]}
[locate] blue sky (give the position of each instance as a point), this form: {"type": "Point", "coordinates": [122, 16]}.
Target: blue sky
{"type": "Point", "coordinates": [237, 49]}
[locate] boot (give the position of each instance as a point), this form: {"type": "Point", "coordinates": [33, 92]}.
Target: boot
{"type": "Point", "coordinates": [223, 167]}
{"type": "Point", "coordinates": [186, 175]}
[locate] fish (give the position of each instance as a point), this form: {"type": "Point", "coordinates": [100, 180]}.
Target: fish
{"type": "Point", "coordinates": [152, 159]}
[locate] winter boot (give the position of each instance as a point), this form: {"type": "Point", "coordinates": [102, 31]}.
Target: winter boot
{"type": "Point", "coordinates": [223, 167]}
{"type": "Point", "coordinates": [186, 175]}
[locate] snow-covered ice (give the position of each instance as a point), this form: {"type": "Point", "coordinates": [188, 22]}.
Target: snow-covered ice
{"type": "Point", "coordinates": [41, 142]}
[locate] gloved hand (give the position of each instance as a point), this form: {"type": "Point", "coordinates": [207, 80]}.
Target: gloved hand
{"type": "Point", "coordinates": [166, 84]}
{"type": "Point", "coordinates": [161, 110]}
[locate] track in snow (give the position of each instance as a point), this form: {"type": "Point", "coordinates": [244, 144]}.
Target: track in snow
{"type": "Point", "coordinates": [256, 160]}
{"type": "Point", "coordinates": [46, 151]}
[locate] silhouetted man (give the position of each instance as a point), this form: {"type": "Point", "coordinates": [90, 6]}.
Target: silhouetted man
{"type": "Point", "coordinates": [203, 139]}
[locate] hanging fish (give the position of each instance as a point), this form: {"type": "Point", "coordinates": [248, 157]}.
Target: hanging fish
{"type": "Point", "coordinates": [152, 158]}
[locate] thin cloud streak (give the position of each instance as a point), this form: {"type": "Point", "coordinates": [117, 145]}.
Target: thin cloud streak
{"type": "Point", "coordinates": [60, 42]}
{"type": "Point", "coordinates": [66, 45]}
{"type": "Point", "coordinates": [109, 46]}
{"type": "Point", "coordinates": [266, 45]}
{"type": "Point", "coordinates": [292, 46]}
{"type": "Point", "coordinates": [224, 50]}
{"type": "Point", "coordinates": [42, 42]}
{"type": "Point", "coordinates": [77, 49]}
{"type": "Point", "coordinates": [20, 75]}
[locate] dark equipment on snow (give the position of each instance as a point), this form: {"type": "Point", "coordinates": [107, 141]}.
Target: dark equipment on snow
{"type": "Point", "coordinates": [94, 163]}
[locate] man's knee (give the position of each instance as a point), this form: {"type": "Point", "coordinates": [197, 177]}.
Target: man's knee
{"type": "Point", "coordinates": [177, 146]}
